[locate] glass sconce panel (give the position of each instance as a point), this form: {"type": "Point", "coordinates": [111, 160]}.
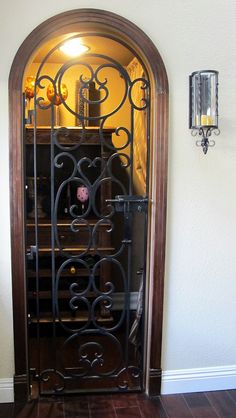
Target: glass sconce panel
{"type": "Point", "coordinates": [203, 99]}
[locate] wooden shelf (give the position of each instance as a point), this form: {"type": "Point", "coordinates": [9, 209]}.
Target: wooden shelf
{"type": "Point", "coordinates": [47, 273]}
{"type": "Point", "coordinates": [45, 251]}
{"type": "Point", "coordinates": [91, 135]}
{"type": "Point", "coordinates": [46, 318]}
{"type": "Point", "coordinates": [62, 294]}
{"type": "Point", "coordinates": [46, 223]}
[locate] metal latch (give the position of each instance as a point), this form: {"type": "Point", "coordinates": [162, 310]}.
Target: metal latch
{"type": "Point", "coordinates": [32, 251]}
{"type": "Point", "coordinates": [129, 203]}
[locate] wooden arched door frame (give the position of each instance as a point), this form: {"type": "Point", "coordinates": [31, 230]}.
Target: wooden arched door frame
{"type": "Point", "coordinates": [99, 22]}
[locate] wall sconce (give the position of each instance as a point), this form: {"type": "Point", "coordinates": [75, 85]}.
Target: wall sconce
{"type": "Point", "coordinates": [203, 107]}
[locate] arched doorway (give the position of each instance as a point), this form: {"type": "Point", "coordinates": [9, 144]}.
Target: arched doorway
{"type": "Point", "coordinates": [115, 27]}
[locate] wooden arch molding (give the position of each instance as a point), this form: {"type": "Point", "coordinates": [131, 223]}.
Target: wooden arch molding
{"type": "Point", "coordinates": [99, 22]}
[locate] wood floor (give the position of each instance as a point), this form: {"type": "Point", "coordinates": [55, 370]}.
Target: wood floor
{"type": "Point", "coordinates": [220, 404]}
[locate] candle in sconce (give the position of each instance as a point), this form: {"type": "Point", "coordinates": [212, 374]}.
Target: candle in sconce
{"type": "Point", "coordinates": [206, 120]}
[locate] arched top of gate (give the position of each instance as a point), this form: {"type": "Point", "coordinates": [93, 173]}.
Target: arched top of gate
{"type": "Point", "coordinates": [96, 22]}
{"type": "Point", "coordinates": [124, 31]}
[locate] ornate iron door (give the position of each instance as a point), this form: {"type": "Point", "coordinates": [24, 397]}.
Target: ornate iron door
{"type": "Point", "coordinates": [86, 232]}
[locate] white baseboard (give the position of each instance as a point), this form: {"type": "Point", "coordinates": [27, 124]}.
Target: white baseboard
{"type": "Point", "coordinates": [173, 381]}
{"type": "Point", "coordinates": [199, 380]}
{"type": "Point", "coordinates": [6, 390]}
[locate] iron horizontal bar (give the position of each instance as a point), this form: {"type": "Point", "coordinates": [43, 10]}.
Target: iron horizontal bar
{"type": "Point", "coordinates": [74, 249]}
{"type": "Point", "coordinates": [113, 375]}
{"type": "Point", "coordinates": [130, 199]}
{"type": "Point", "coordinates": [47, 224]}
{"type": "Point", "coordinates": [136, 389]}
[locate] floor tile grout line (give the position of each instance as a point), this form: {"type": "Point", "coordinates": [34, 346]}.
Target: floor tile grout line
{"type": "Point", "coordinates": [141, 414]}
{"type": "Point", "coordinates": [163, 406]}
{"type": "Point", "coordinates": [114, 408]}
{"type": "Point", "coordinates": [186, 403]}
{"type": "Point", "coordinates": [127, 406]}
{"type": "Point", "coordinates": [64, 411]}
{"type": "Point", "coordinates": [214, 408]}
{"type": "Point", "coordinates": [231, 397]}
{"type": "Point", "coordinates": [89, 410]}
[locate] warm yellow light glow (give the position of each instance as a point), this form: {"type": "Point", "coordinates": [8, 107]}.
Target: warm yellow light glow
{"type": "Point", "coordinates": [73, 47]}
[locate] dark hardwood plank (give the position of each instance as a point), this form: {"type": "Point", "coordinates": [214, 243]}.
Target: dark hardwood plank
{"type": "Point", "coordinates": [223, 403]}
{"type": "Point", "coordinates": [130, 412]}
{"type": "Point", "coordinates": [220, 404]}
{"type": "Point", "coordinates": [175, 406]}
{"type": "Point", "coordinates": [101, 406]}
{"type": "Point", "coordinates": [124, 400]}
{"type": "Point", "coordinates": [199, 405]}
{"type": "Point", "coordinates": [51, 409]}
{"type": "Point", "coordinates": [152, 408]}
{"type": "Point", "coordinates": [6, 410]}
{"type": "Point", "coordinates": [76, 407]}
{"type": "Point", "coordinates": [232, 394]}
{"type": "Point", "coordinates": [27, 410]}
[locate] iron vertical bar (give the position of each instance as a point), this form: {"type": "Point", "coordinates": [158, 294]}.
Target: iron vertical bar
{"type": "Point", "coordinates": [25, 234]}
{"type": "Point", "coordinates": [131, 151]}
{"type": "Point", "coordinates": [147, 112]}
{"type": "Point", "coordinates": [52, 231]}
{"type": "Point", "coordinates": [36, 242]}
{"type": "Point", "coordinates": [128, 224]}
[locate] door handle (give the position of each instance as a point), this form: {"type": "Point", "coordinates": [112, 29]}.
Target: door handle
{"type": "Point", "coordinates": [129, 203]}
{"type": "Point", "coordinates": [32, 251]}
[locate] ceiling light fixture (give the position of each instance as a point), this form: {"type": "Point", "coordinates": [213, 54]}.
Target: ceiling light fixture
{"type": "Point", "coordinates": [73, 47]}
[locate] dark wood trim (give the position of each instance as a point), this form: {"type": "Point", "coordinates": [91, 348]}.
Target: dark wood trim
{"type": "Point", "coordinates": [159, 241]}
{"type": "Point", "coordinates": [20, 388]}
{"type": "Point", "coordinates": [17, 227]}
{"type": "Point", "coordinates": [154, 382]}
{"type": "Point", "coordinates": [99, 22]}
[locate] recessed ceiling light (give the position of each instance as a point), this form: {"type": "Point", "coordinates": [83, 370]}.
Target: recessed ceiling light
{"type": "Point", "coordinates": [73, 47]}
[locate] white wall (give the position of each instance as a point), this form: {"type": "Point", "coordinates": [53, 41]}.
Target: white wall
{"type": "Point", "coordinates": [200, 291]}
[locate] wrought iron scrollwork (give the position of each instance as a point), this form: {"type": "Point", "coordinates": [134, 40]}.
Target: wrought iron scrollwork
{"type": "Point", "coordinates": [205, 134]}
{"type": "Point", "coordinates": [91, 336]}
{"type": "Point", "coordinates": [54, 379]}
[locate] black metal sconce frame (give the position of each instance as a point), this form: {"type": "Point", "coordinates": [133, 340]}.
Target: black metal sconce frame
{"type": "Point", "coordinates": [203, 107]}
